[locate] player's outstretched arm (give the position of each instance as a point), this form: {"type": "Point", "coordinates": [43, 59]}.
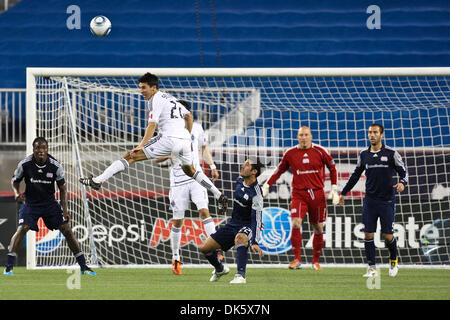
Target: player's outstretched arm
{"type": "Point", "coordinates": [149, 131]}
{"type": "Point", "coordinates": [209, 160]}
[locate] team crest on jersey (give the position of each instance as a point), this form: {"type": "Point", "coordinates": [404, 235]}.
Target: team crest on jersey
{"type": "Point", "coordinates": [246, 196]}
{"type": "Point", "coordinates": [49, 175]}
{"type": "Point", "coordinates": [384, 158]}
{"type": "Point", "coordinates": [305, 160]}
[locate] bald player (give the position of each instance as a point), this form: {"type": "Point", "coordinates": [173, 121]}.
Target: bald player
{"type": "Point", "coordinates": [307, 162]}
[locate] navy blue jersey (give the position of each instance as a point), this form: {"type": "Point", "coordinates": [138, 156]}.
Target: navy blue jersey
{"type": "Point", "coordinates": [39, 180]}
{"type": "Point", "coordinates": [380, 167]}
{"type": "Point", "coordinates": [247, 207]}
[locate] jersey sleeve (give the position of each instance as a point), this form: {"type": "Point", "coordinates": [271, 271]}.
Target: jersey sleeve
{"type": "Point", "coordinates": [60, 176]}
{"type": "Point", "coordinates": [354, 177]}
{"type": "Point", "coordinates": [283, 166]}
{"type": "Point", "coordinates": [329, 162]}
{"type": "Point", "coordinates": [202, 137]}
{"type": "Point", "coordinates": [400, 168]}
{"type": "Point", "coordinates": [155, 109]}
{"type": "Point", "coordinates": [256, 218]}
{"type": "Point", "coordinates": [18, 173]}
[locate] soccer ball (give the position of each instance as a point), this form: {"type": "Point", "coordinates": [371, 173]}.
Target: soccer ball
{"type": "Point", "coordinates": [100, 26]}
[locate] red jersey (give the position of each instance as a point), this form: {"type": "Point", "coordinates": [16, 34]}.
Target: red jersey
{"type": "Point", "coordinates": [307, 166]}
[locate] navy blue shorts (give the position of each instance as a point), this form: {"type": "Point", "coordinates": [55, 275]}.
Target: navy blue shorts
{"type": "Point", "coordinates": [226, 234]}
{"type": "Point", "coordinates": [374, 209]}
{"type": "Point", "coordinates": [51, 213]}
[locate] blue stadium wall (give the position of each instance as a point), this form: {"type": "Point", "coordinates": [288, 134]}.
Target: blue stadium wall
{"type": "Point", "coordinates": [228, 33]}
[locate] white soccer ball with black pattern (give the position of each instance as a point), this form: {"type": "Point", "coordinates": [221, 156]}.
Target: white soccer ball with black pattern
{"type": "Point", "coordinates": [100, 26]}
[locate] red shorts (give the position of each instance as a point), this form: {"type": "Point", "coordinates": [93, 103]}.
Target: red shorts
{"type": "Point", "coordinates": [309, 201]}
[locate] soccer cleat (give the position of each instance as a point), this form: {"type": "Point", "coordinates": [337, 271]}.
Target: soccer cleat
{"type": "Point", "coordinates": [371, 272]}
{"type": "Point", "coordinates": [393, 269]}
{"type": "Point", "coordinates": [238, 279]}
{"type": "Point", "coordinates": [89, 182]}
{"type": "Point", "coordinates": [316, 266]}
{"type": "Point", "coordinates": [295, 264]}
{"type": "Point", "coordinates": [223, 204]}
{"type": "Point", "coordinates": [216, 275]}
{"type": "Point", "coordinates": [88, 271]}
{"type": "Point", "coordinates": [176, 267]}
{"type": "Point", "coordinates": [8, 272]}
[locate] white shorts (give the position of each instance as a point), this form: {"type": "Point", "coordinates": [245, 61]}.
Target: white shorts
{"type": "Point", "coordinates": [180, 196]}
{"type": "Point", "coordinates": [161, 146]}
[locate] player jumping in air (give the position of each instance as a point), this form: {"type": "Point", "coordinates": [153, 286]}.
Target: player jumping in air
{"type": "Point", "coordinates": [174, 123]}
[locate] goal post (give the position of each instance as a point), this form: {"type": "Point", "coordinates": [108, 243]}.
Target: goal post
{"type": "Point", "coordinates": [93, 116]}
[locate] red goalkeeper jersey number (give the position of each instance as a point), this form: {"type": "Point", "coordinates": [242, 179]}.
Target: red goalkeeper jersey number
{"type": "Point", "coordinates": [307, 166]}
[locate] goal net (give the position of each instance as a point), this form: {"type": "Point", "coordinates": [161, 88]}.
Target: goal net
{"type": "Point", "coordinates": [92, 117]}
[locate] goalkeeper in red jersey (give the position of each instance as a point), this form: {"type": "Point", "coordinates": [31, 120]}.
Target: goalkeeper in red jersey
{"type": "Point", "coordinates": [307, 162]}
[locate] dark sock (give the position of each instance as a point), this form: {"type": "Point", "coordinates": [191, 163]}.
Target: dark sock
{"type": "Point", "coordinates": [215, 262]}
{"type": "Point", "coordinates": [241, 259]}
{"type": "Point", "coordinates": [11, 261]}
{"type": "Point", "coordinates": [81, 260]}
{"type": "Point", "coordinates": [392, 246]}
{"type": "Point", "coordinates": [369, 246]}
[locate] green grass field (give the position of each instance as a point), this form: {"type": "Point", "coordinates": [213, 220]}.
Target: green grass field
{"type": "Point", "coordinates": [262, 284]}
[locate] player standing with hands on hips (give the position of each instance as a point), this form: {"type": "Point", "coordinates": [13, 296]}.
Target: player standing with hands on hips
{"type": "Point", "coordinates": [380, 162]}
{"type": "Point", "coordinates": [307, 162]}
{"type": "Point", "coordinates": [40, 172]}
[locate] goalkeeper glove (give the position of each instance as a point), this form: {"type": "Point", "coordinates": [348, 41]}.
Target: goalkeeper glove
{"type": "Point", "coordinates": [333, 195]}
{"type": "Point", "coordinates": [265, 189]}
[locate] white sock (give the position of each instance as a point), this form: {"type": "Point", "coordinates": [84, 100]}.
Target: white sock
{"type": "Point", "coordinates": [209, 225]}
{"type": "Point", "coordinates": [175, 240]}
{"type": "Point", "coordinates": [201, 178]}
{"type": "Point", "coordinates": [115, 167]}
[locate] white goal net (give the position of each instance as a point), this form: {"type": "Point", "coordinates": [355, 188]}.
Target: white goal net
{"type": "Point", "coordinates": [92, 117]}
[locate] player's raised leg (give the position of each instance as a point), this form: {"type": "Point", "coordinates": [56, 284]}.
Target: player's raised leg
{"type": "Point", "coordinates": [113, 169]}
{"type": "Point", "coordinates": [203, 180]}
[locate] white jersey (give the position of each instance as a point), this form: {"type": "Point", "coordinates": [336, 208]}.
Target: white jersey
{"type": "Point", "coordinates": [169, 114]}
{"type": "Point", "coordinates": [198, 138]}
